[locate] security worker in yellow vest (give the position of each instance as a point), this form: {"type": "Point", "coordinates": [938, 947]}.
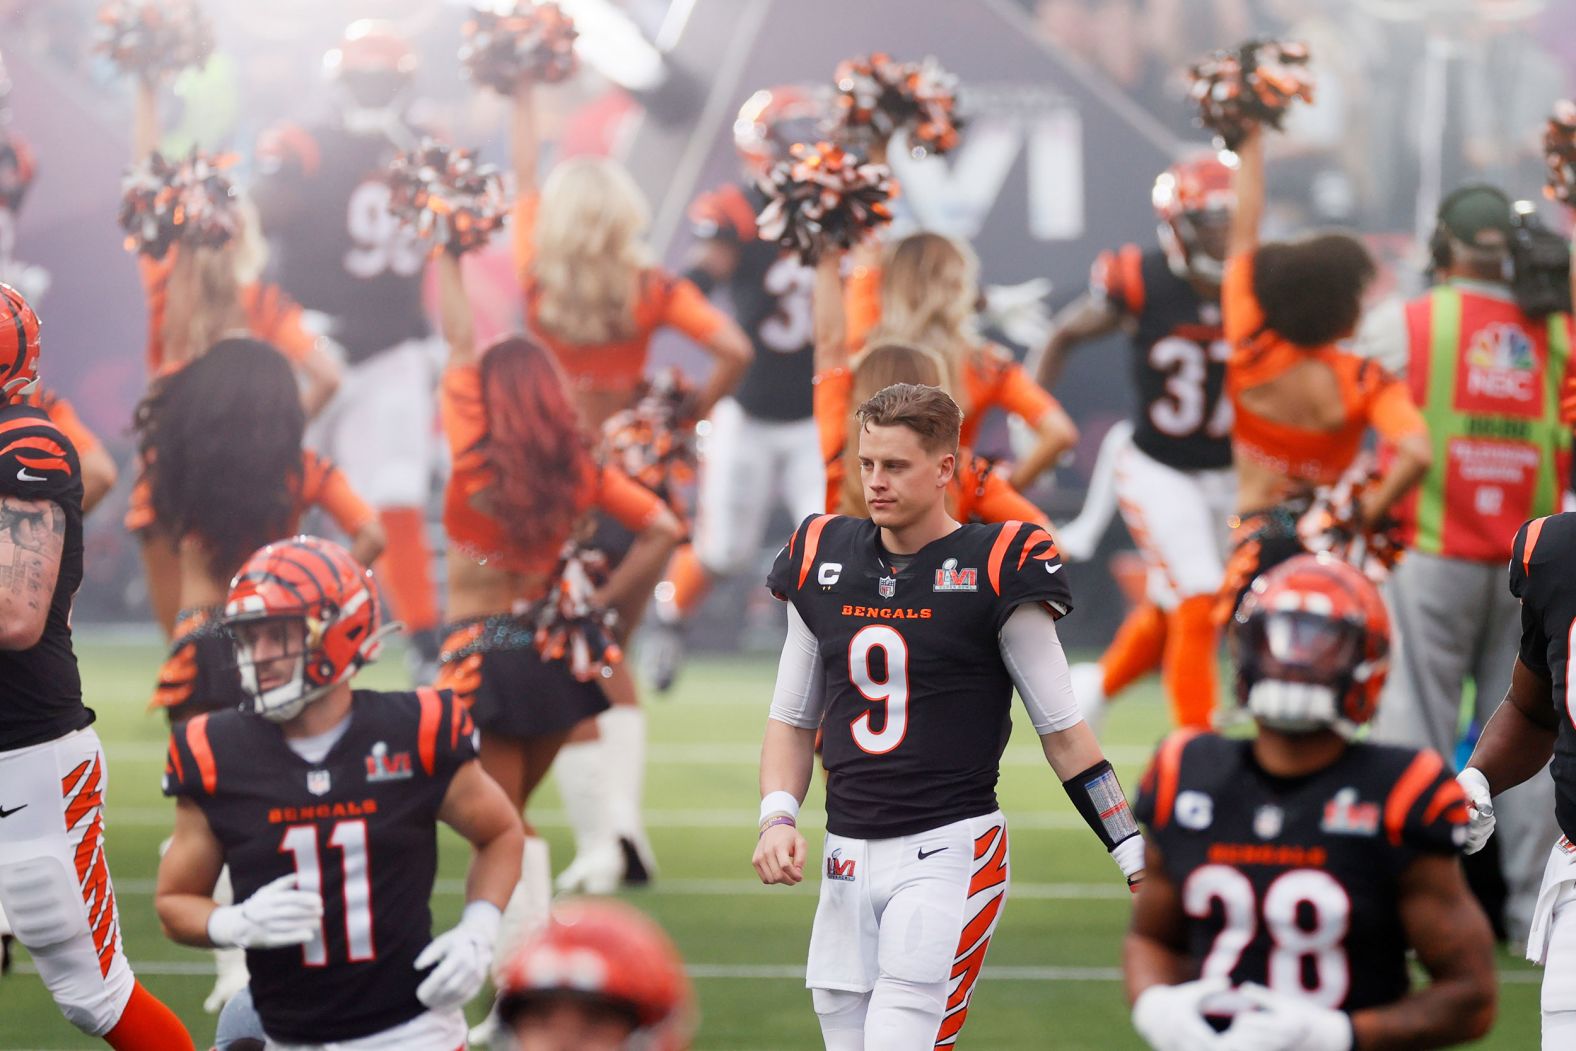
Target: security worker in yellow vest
{"type": "Point", "coordinates": [1487, 378]}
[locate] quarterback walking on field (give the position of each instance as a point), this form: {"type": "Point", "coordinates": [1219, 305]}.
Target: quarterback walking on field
{"type": "Point", "coordinates": [907, 633]}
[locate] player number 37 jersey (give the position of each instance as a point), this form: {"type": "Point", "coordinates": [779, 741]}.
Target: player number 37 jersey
{"type": "Point", "coordinates": [917, 697]}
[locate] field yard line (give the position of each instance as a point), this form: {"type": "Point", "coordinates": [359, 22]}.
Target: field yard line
{"type": "Point", "coordinates": [775, 972]}
{"type": "Point", "coordinates": [734, 888]}
{"type": "Point", "coordinates": [1034, 821]}
{"type": "Point", "coordinates": [710, 753]}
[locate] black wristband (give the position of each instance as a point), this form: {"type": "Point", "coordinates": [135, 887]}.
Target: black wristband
{"type": "Point", "coordinates": [1097, 795]}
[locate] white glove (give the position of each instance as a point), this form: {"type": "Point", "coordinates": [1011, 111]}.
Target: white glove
{"type": "Point", "coordinates": [1480, 808]}
{"type": "Point", "coordinates": [1129, 857]}
{"type": "Point", "coordinates": [459, 958]}
{"type": "Point", "coordinates": [1277, 1022]}
{"type": "Point", "coordinates": [1169, 1019]}
{"type": "Point", "coordinates": [277, 915]}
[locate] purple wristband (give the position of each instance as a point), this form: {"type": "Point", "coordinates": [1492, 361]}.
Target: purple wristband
{"type": "Point", "coordinates": [779, 819]}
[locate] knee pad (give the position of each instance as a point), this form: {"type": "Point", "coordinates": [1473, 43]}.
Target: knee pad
{"type": "Point", "coordinates": [898, 994]}
{"type": "Point", "coordinates": [43, 901]}
{"type": "Point", "coordinates": [88, 999]}
{"type": "Point", "coordinates": [841, 1007]}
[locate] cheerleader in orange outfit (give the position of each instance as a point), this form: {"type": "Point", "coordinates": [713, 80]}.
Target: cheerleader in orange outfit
{"type": "Point", "coordinates": [196, 296]}
{"type": "Point", "coordinates": [978, 492]}
{"type": "Point", "coordinates": [594, 299]}
{"type": "Point", "coordinates": [1303, 405]}
{"type": "Point", "coordinates": [524, 482]}
{"type": "Point", "coordinates": [925, 294]}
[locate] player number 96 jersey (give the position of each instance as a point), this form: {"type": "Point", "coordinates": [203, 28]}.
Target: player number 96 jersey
{"type": "Point", "coordinates": [361, 826]}
{"type": "Point", "coordinates": [1294, 884]}
{"type": "Point", "coordinates": [917, 696]}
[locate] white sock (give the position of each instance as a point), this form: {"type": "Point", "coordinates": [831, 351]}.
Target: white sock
{"type": "Point", "coordinates": [582, 772]}
{"type": "Point", "coordinates": [623, 727]}
{"type": "Point", "coordinates": [528, 905]}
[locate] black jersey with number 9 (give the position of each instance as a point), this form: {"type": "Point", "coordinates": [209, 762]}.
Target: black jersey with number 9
{"type": "Point", "coordinates": [918, 699]}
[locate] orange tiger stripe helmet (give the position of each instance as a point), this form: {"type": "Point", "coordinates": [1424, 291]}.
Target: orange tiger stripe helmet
{"type": "Point", "coordinates": [608, 957]}
{"type": "Point", "coordinates": [18, 346]}
{"type": "Point", "coordinates": [1312, 646]}
{"type": "Point", "coordinates": [318, 583]}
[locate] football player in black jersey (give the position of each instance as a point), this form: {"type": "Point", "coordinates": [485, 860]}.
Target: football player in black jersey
{"type": "Point", "coordinates": [1174, 481]}
{"type": "Point", "coordinates": [1290, 875]}
{"type": "Point", "coordinates": [324, 802]}
{"type": "Point", "coordinates": [761, 448]}
{"type": "Point", "coordinates": [340, 253]}
{"type": "Point", "coordinates": [1537, 722]}
{"type": "Point", "coordinates": [907, 633]}
{"type": "Point", "coordinates": [54, 880]}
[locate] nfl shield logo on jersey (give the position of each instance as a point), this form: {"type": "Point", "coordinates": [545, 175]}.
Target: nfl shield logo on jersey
{"type": "Point", "coordinates": [318, 782]}
{"type": "Point", "coordinates": [1267, 821]}
{"type": "Point", "coordinates": [887, 587]}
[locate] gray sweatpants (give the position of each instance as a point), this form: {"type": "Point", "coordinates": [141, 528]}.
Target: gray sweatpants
{"type": "Point", "coordinates": [1456, 620]}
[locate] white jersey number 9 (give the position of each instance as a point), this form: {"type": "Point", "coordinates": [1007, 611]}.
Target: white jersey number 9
{"type": "Point", "coordinates": [892, 691]}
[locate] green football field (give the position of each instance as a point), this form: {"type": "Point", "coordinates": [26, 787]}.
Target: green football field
{"type": "Point", "coordinates": [1052, 980]}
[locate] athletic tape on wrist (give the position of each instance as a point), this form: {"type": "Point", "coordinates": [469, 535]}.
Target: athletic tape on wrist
{"type": "Point", "coordinates": [1098, 797]}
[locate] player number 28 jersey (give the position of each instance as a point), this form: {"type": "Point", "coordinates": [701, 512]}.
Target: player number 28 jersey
{"type": "Point", "coordinates": [1294, 884]}
{"type": "Point", "coordinates": [361, 826]}
{"type": "Point", "coordinates": [918, 699]}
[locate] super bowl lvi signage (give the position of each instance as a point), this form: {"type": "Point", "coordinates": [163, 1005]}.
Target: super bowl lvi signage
{"type": "Point", "coordinates": [955, 194]}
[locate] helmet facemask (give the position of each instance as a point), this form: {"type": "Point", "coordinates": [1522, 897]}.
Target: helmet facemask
{"type": "Point", "coordinates": [271, 655]}
{"type": "Point", "coordinates": [1296, 667]}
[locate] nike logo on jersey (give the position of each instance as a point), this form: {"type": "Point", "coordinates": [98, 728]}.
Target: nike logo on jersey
{"type": "Point", "coordinates": [923, 854]}
{"type": "Point", "coordinates": [1052, 567]}
{"type": "Point", "coordinates": [24, 476]}
{"type": "Point", "coordinates": [7, 813]}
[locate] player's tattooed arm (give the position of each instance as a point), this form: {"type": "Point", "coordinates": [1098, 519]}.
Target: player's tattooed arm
{"type": "Point", "coordinates": [1455, 945]}
{"type": "Point", "coordinates": [32, 537]}
{"type": "Point", "coordinates": [1154, 952]}
{"type": "Point", "coordinates": [1519, 738]}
